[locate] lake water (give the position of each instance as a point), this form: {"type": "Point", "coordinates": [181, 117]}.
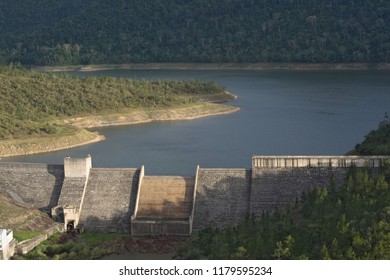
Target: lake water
{"type": "Point", "coordinates": [283, 112]}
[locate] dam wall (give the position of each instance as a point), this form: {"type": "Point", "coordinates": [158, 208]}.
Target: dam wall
{"type": "Point", "coordinates": [222, 197]}
{"type": "Point", "coordinates": [109, 199]}
{"type": "Point", "coordinates": [32, 185]}
{"type": "Point", "coordinates": [124, 200]}
{"type": "Point", "coordinates": [280, 180]}
{"type": "Point", "coordinates": [277, 187]}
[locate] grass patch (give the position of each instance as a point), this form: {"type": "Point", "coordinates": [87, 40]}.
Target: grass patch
{"type": "Point", "coordinates": [26, 235]}
{"type": "Point", "coordinates": [95, 239]}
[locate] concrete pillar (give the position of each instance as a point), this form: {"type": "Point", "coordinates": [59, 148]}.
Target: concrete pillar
{"type": "Point", "coordinates": [77, 167]}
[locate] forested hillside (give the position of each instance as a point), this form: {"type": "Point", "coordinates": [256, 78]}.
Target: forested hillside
{"type": "Point", "coordinates": [31, 102]}
{"type": "Point", "coordinates": [68, 32]}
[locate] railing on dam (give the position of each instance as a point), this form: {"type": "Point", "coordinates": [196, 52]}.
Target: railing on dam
{"type": "Point", "coordinates": [317, 161]}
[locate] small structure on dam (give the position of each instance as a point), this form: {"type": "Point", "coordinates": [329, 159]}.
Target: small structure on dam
{"type": "Point", "coordinates": [125, 200]}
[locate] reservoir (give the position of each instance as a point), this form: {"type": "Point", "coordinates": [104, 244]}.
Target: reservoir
{"type": "Point", "coordinates": [283, 112]}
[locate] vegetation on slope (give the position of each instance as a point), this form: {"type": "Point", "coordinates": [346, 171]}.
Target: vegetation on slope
{"type": "Point", "coordinates": [85, 246]}
{"type": "Point", "coordinates": [348, 222]}
{"type": "Point", "coordinates": [69, 32]}
{"type": "Point", "coordinates": [32, 103]}
{"type": "Point", "coordinates": [376, 142]}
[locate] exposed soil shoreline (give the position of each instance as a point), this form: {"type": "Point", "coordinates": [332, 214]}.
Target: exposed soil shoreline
{"type": "Point", "coordinates": [216, 66]}
{"type": "Point", "coordinates": [192, 112]}
{"type": "Point", "coordinates": [43, 144]}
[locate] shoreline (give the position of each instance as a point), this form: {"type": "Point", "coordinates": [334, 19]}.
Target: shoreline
{"type": "Point", "coordinates": [45, 144]}
{"type": "Point", "coordinates": [215, 66]}
{"type": "Point", "coordinates": [196, 111]}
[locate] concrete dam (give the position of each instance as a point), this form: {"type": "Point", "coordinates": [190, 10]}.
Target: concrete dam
{"type": "Point", "coordinates": [126, 200]}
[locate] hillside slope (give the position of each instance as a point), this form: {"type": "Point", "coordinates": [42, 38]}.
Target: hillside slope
{"type": "Point", "coordinates": [21, 218]}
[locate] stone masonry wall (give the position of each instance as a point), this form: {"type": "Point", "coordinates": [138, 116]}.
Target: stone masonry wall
{"type": "Point", "coordinates": [72, 191]}
{"type": "Point", "coordinates": [222, 197]}
{"type": "Point", "coordinates": [33, 185]}
{"type": "Point", "coordinates": [109, 200]}
{"type": "Point", "coordinates": [279, 180]}
{"type": "Point", "coordinates": [276, 187]}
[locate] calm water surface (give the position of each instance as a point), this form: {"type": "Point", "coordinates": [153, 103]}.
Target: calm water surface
{"type": "Point", "coordinates": [283, 112]}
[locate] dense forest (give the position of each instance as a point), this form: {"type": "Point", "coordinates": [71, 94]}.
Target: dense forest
{"type": "Point", "coordinates": [69, 32]}
{"type": "Point", "coordinates": [31, 102]}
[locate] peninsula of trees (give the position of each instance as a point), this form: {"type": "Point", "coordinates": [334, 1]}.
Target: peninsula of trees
{"type": "Point", "coordinates": [73, 32]}
{"type": "Point", "coordinates": [41, 106]}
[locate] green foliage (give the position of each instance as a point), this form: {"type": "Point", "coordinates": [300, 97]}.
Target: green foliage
{"type": "Point", "coordinates": [92, 239]}
{"type": "Point", "coordinates": [69, 32]}
{"type": "Point", "coordinates": [346, 222]}
{"type": "Point", "coordinates": [76, 247]}
{"type": "Point", "coordinates": [284, 248]}
{"type": "Point", "coordinates": [31, 101]}
{"type": "Point", "coordinates": [377, 142]}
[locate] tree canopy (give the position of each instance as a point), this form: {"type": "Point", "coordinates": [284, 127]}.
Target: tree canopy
{"type": "Point", "coordinates": [376, 142]}
{"type": "Point", "coordinates": [69, 32]}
